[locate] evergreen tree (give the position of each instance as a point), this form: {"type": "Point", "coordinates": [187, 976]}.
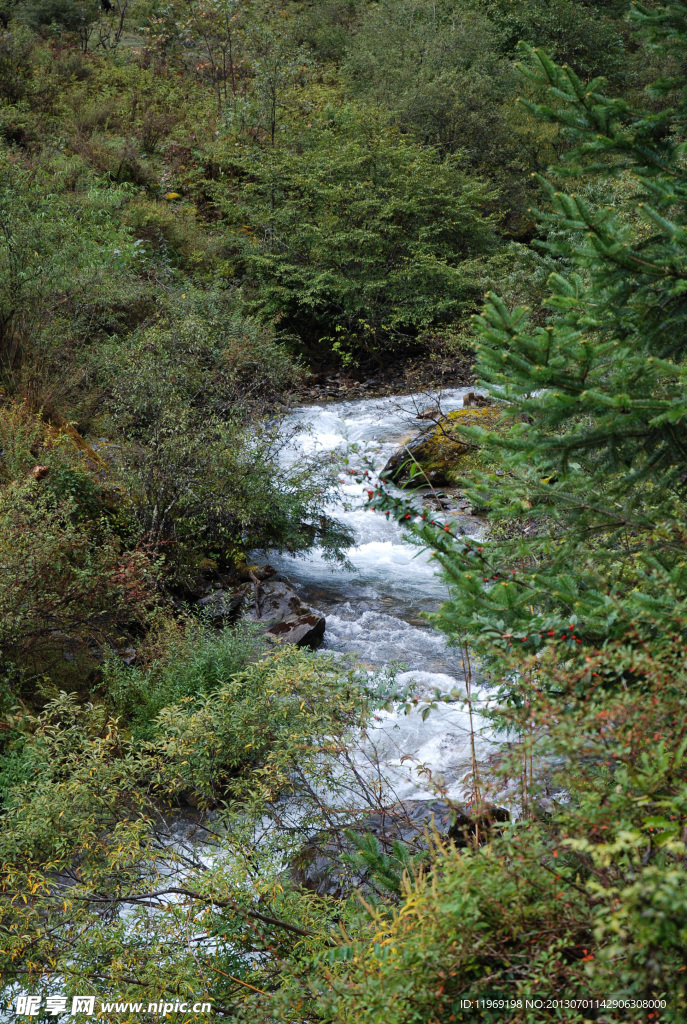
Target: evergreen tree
{"type": "Point", "coordinates": [586, 487]}
{"type": "Point", "coordinates": [361, 240]}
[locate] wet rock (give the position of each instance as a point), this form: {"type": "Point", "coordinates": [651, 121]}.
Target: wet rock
{"type": "Point", "coordinates": [225, 605]}
{"type": "Point", "coordinates": [439, 501]}
{"type": "Point", "coordinates": [305, 631]}
{"type": "Point", "coordinates": [469, 826]}
{"type": "Point", "coordinates": [260, 572]}
{"type": "Point", "coordinates": [432, 412]}
{"type": "Point", "coordinates": [472, 399]}
{"type": "Point", "coordinates": [321, 866]}
{"type": "Point", "coordinates": [274, 602]}
{"type": "Point", "coordinates": [431, 504]}
{"type": "Point", "coordinates": [435, 454]}
{"type": "Point", "coordinates": [287, 618]}
{"type": "Point", "coordinates": [418, 451]}
{"type": "Point", "coordinates": [409, 820]}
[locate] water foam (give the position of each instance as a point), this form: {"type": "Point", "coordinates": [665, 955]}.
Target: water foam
{"type": "Point", "coordinates": [374, 607]}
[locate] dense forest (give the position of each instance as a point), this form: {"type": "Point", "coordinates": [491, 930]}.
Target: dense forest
{"type": "Point", "coordinates": [213, 212]}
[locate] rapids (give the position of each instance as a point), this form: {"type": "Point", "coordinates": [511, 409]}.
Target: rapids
{"type": "Point", "coordinates": [373, 609]}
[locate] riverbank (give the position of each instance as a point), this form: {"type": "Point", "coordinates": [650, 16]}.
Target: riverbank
{"type": "Point", "coordinates": [430, 371]}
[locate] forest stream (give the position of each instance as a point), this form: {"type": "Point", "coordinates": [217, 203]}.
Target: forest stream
{"type": "Point", "coordinates": [374, 607]}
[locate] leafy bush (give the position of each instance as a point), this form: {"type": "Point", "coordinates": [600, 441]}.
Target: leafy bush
{"type": "Point", "coordinates": [267, 717]}
{"type": "Point", "coordinates": [71, 15]}
{"type": "Point", "coordinates": [242, 741]}
{"type": "Point", "coordinates": [62, 261]}
{"type": "Point", "coordinates": [203, 478]}
{"type": "Point", "coordinates": [453, 98]}
{"type": "Point", "coordinates": [70, 587]}
{"type": "Point", "coordinates": [195, 660]}
{"type": "Point", "coordinates": [16, 49]}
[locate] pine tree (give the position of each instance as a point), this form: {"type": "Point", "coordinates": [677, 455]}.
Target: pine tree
{"type": "Point", "coordinates": [587, 510]}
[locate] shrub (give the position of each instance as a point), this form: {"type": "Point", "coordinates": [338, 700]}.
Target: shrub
{"type": "Point", "coordinates": [195, 660]}
{"type": "Point", "coordinates": [69, 586]}
{"type": "Point", "coordinates": [72, 15]}
{"type": "Point", "coordinates": [203, 478]}
{"type": "Point", "coordinates": [68, 589]}
{"type": "Point", "coordinates": [361, 239]}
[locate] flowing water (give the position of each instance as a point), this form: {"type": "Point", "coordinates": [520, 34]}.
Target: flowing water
{"type": "Point", "coordinates": [374, 607]}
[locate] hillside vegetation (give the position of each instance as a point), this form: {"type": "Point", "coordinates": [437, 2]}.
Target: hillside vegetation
{"type": "Point", "coordinates": [207, 206]}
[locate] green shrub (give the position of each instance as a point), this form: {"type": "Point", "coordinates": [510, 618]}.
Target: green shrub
{"type": "Point", "coordinates": [71, 15]}
{"type": "Point", "coordinates": [360, 238]}
{"type": "Point", "coordinates": [69, 585]}
{"type": "Point", "coordinates": [202, 476]}
{"type": "Point", "coordinates": [69, 589]}
{"type": "Point", "coordinates": [97, 813]}
{"type": "Point", "coordinates": [16, 50]}
{"type": "Point", "coordinates": [196, 660]}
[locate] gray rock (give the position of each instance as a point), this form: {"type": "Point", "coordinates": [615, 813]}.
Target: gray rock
{"type": "Point", "coordinates": [287, 618]}
{"type": "Point", "coordinates": [263, 572]}
{"type": "Point", "coordinates": [305, 631]}
{"type": "Point", "coordinates": [275, 602]}
{"type": "Point", "coordinates": [321, 866]}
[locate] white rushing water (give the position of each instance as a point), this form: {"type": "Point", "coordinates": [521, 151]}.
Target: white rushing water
{"type": "Point", "coordinates": [373, 609]}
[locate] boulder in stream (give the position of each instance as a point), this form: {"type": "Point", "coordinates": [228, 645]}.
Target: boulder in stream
{"type": "Point", "coordinates": [476, 400]}
{"type": "Point", "coordinates": [287, 618]}
{"type": "Point", "coordinates": [273, 602]}
{"type": "Point", "coordinates": [435, 455]}
{"type": "Point", "coordinates": [304, 631]}
{"type": "Point", "coordinates": [223, 604]}
{"type": "Point", "coordinates": [273, 605]}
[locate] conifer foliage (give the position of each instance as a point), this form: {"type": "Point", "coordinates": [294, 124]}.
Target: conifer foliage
{"type": "Point", "coordinates": [591, 455]}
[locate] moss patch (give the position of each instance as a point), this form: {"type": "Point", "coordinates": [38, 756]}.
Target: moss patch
{"type": "Point", "coordinates": [442, 453]}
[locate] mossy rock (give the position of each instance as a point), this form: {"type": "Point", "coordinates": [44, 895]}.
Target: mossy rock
{"type": "Point", "coordinates": [437, 455]}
